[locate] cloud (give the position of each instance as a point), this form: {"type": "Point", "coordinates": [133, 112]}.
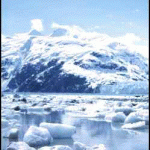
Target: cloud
{"type": "Point", "coordinates": [95, 28]}
{"type": "Point", "coordinates": [137, 10]}
{"type": "Point", "coordinates": [2, 38]}
{"type": "Point", "coordinates": [37, 24]}
{"type": "Point", "coordinates": [70, 29]}
{"type": "Point", "coordinates": [129, 38]}
{"type": "Point", "coordinates": [76, 30]}
{"type": "Point", "coordinates": [131, 41]}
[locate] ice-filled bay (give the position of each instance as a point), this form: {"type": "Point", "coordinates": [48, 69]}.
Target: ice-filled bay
{"type": "Point", "coordinates": [87, 113]}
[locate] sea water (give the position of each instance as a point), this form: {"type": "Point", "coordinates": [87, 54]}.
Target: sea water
{"type": "Point", "coordinates": [89, 131]}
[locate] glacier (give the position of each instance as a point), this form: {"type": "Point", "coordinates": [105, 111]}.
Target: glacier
{"type": "Point", "coordinates": [73, 61]}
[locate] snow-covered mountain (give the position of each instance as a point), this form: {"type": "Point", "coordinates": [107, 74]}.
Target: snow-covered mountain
{"type": "Point", "coordinates": [70, 61]}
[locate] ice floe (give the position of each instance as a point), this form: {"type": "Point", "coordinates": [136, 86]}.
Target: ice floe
{"type": "Point", "coordinates": [59, 130]}
{"type": "Point", "coordinates": [37, 136]}
{"type": "Point", "coordinates": [13, 133]}
{"type": "Point", "coordinates": [69, 114]}
{"type": "Point", "coordinates": [99, 147]}
{"type": "Point", "coordinates": [4, 123]}
{"type": "Point", "coordinates": [133, 117]}
{"type": "Point", "coordinates": [125, 110]}
{"type": "Point", "coordinates": [79, 146]}
{"type": "Point", "coordinates": [143, 106]}
{"type": "Point", "coordinates": [136, 125]}
{"type": "Point", "coordinates": [57, 147]}
{"type": "Point", "coordinates": [33, 110]}
{"type": "Point", "coordinates": [19, 146]}
{"type": "Point", "coordinates": [119, 117]}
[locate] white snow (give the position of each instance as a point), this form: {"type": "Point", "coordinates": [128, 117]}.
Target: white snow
{"type": "Point", "coordinates": [59, 130]}
{"type": "Point", "coordinates": [65, 47]}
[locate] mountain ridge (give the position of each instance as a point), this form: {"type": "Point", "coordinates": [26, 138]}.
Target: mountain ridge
{"type": "Point", "coordinates": [71, 63]}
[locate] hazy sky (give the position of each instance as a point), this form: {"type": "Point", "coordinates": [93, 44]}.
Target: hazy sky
{"type": "Point", "coordinates": [113, 17]}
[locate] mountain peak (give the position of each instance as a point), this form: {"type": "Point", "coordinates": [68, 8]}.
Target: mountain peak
{"type": "Point", "coordinates": [59, 32]}
{"type": "Point", "coordinates": [35, 32]}
{"type": "Point", "coordinates": [71, 64]}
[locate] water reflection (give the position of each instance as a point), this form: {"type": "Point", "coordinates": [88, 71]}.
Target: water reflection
{"type": "Point", "coordinates": [89, 132]}
{"type": "Point", "coordinates": [35, 119]}
{"type": "Point", "coordinates": [26, 120]}
{"type": "Point", "coordinates": [100, 132]}
{"type": "Point", "coordinates": [66, 141]}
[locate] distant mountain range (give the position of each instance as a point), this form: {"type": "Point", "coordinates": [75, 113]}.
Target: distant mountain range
{"type": "Point", "coordinates": [64, 62]}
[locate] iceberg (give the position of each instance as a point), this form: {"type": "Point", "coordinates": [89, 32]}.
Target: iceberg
{"type": "Point", "coordinates": [37, 136]}
{"type": "Point", "coordinates": [136, 125]}
{"type": "Point", "coordinates": [59, 130]}
{"type": "Point", "coordinates": [19, 146]}
{"type": "Point", "coordinates": [119, 117]}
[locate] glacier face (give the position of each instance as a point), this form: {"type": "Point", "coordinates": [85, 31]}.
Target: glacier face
{"type": "Point", "coordinates": [67, 61]}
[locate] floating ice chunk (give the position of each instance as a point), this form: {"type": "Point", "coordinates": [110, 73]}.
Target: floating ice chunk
{"type": "Point", "coordinates": [146, 119]}
{"type": "Point", "coordinates": [57, 147]}
{"type": "Point", "coordinates": [99, 147]}
{"type": "Point", "coordinates": [59, 130]}
{"type": "Point", "coordinates": [5, 123]}
{"type": "Point", "coordinates": [137, 125]}
{"type": "Point", "coordinates": [61, 147]}
{"type": "Point", "coordinates": [133, 117]}
{"type": "Point", "coordinates": [45, 148]}
{"type": "Point", "coordinates": [144, 114]}
{"type": "Point", "coordinates": [119, 117]}
{"type": "Point", "coordinates": [17, 95]}
{"type": "Point", "coordinates": [118, 103]}
{"type": "Point", "coordinates": [13, 122]}
{"type": "Point", "coordinates": [109, 116]}
{"type": "Point", "coordinates": [79, 146]}
{"type": "Point", "coordinates": [127, 104]}
{"type": "Point", "coordinates": [141, 105]}
{"type": "Point", "coordinates": [101, 115]}
{"type": "Point", "coordinates": [5, 133]}
{"type": "Point", "coordinates": [13, 133]}
{"type": "Point", "coordinates": [19, 146]}
{"type": "Point", "coordinates": [37, 136]}
{"type": "Point", "coordinates": [125, 110]}
{"type": "Point", "coordinates": [35, 110]}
